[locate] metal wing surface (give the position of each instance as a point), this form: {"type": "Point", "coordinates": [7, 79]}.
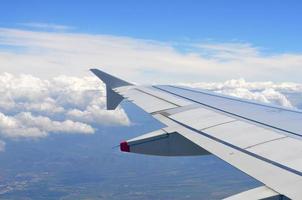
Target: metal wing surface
{"type": "Point", "coordinates": [262, 140]}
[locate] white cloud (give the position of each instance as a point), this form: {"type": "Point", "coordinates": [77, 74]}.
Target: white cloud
{"type": "Point", "coordinates": [47, 106]}
{"type": "Point", "coordinates": [94, 114]}
{"type": "Point", "coordinates": [46, 26]}
{"type": "Point", "coordinates": [33, 107]}
{"type": "Point", "coordinates": [229, 51]}
{"type": "Point", "coordinates": [47, 125]}
{"type": "Point", "coordinates": [277, 97]}
{"type": "Point", "coordinates": [48, 54]}
{"type": "Point", "coordinates": [11, 127]}
{"type": "Point", "coordinates": [24, 124]}
{"type": "Point", "coordinates": [7, 122]}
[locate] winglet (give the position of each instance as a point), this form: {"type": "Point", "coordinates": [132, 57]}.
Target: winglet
{"type": "Point", "coordinates": [113, 98]}
{"type": "Point", "coordinates": [109, 80]}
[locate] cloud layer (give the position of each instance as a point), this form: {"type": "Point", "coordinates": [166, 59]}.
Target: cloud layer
{"type": "Point", "coordinates": [32, 107]}
{"type": "Point", "coordinates": [48, 54]}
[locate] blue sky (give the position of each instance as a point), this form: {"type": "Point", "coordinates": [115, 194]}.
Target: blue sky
{"type": "Point", "coordinates": [273, 25]}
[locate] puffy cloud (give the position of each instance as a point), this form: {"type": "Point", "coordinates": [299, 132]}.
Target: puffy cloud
{"type": "Point", "coordinates": [276, 97]}
{"type": "Point", "coordinates": [7, 122]}
{"type": "Point", "coordinates": [47, 106]}
{"type": "Point", "coordinates": [47, 125]}
{"type": "Point", "coordinates": [266, 96]}
{"type": "Point", "coordinates": [11, 127]}
{"type": "Point", "coordinates": [33, 107]}
{"type": "Point", "coordinates": [24, 124]}
{"type": "Point", "coordinates": [93, 114]}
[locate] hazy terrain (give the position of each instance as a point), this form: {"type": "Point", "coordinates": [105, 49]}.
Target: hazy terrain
{"type": "Point", "coordinates": [86, 167]}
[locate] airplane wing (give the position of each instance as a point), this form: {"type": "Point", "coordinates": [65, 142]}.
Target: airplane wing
{"type": "Point", "coordinates": [261, 140]}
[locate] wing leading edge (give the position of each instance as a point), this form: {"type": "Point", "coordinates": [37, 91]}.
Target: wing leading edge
{"type": "Point", "coordinates": [261, 140]}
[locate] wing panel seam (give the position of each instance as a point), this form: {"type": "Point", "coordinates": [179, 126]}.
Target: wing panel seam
{"type": "Point", "coordinates": [156, 97]}
{"type": "Point", "coordinates": [219, 124]}
{"type": "Point", "coordinates": [254, 145]}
